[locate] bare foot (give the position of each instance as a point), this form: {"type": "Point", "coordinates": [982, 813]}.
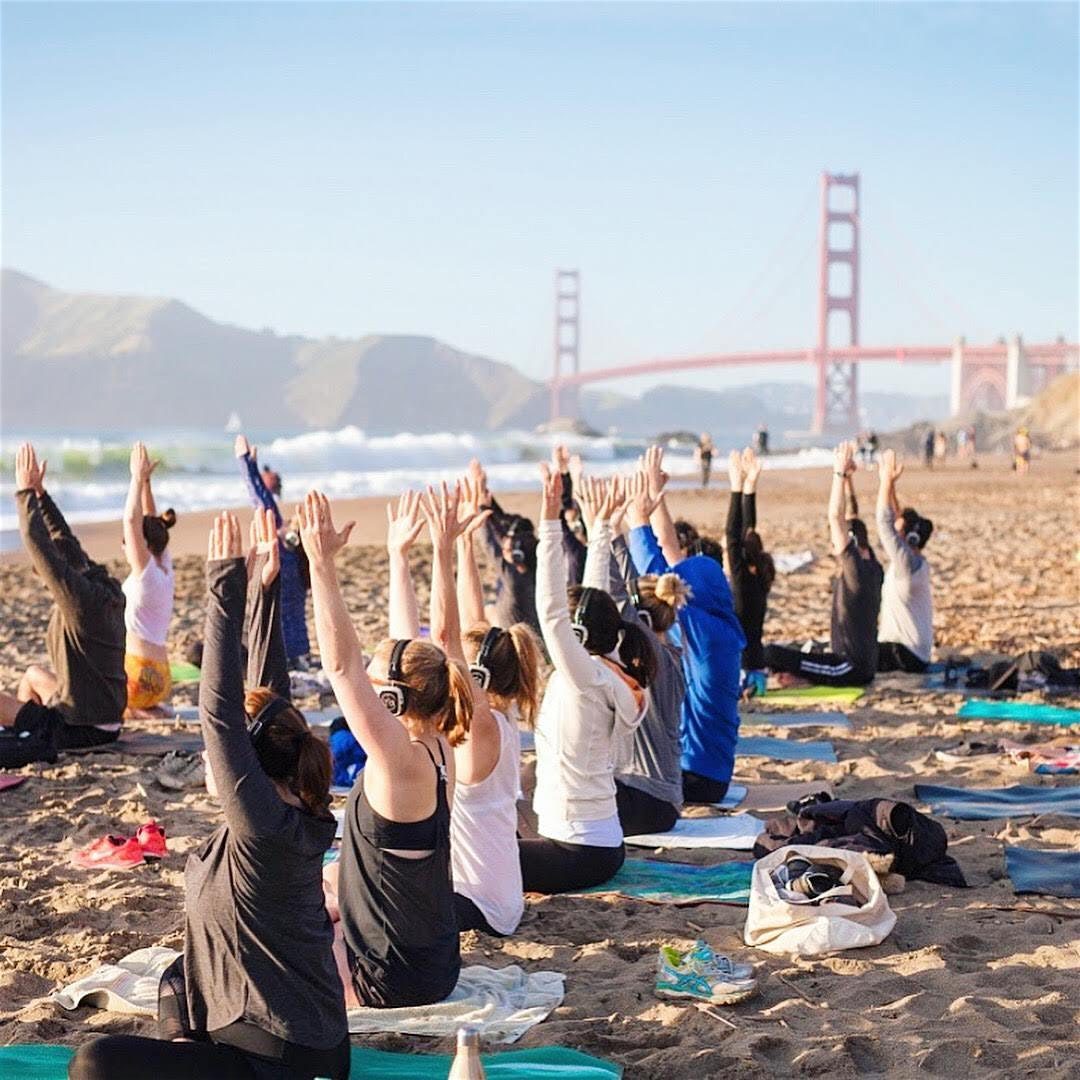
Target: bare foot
{"type": "Point", "coordinates": [786, 681]}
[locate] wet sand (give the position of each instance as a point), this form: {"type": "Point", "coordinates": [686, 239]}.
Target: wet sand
{"type": "Point", "coordinates": [975, 982]}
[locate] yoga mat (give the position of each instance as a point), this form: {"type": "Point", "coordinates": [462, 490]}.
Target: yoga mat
{"type": "Point", "coordinates": [189, 714]}
{"type": "Point", "coordinates": [733, 832]}
{"type": "Point", "coordinates": [9, 783]}
{"type": "Point", "coordinates": [679, 883]}
{"type": "Point", "coordinates": [784, 749]}
{"type": "Point", "coordinates": [797, 695]}
{"type": "Point", "coordinates": [146, 743]}
{"type": "Point", "coordinates": [1049, 873]}
{"type": "Point", "coordinates": [796, 719]}
{"type": "Point", "coordinates": [765, 797]}
{"type": "Point", "coordinates": [986, 804]}
{"type": "Point", "coordinates": [735, 795]}
{"type": "Point", "coordinates": [40, 1061]}
{"type": "Point", "coordinates": [183, 672]}
{"type": "Point", "coordinates": [1024, 712]}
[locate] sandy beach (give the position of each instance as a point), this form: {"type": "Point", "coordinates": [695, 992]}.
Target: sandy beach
{"type": "Point", "coordinates": [977, 982]}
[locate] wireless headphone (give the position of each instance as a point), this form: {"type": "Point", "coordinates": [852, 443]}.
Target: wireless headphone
{"type": "Point", "coordinates": [265, 715]}
{"type": "Point", "coordinates": [577, 621]}
{"type": "Point", "coordinates": [635, 599]}
{"type": "Point", "coordinates": [913, 538]}
{"type": "Point", "coordinates": [395, 696]}
{"type": "Point", "coordinates": [480, 669]}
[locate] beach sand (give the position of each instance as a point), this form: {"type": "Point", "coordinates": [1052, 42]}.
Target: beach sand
{"type": "Point", "coordinates": [975, 982]}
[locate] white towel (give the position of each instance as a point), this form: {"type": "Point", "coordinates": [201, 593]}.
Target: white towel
{"type": "Point", "coordinates": [735, 832]}
{"type": "Point", "coordinates": [505, 1002]}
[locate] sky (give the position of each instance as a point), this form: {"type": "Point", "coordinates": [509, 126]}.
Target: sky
{"type": "Point", "coordinates": [348, 168]}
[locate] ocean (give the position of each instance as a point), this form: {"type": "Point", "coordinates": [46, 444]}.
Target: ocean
{"type": "Point", "coordinates": [88, 474]}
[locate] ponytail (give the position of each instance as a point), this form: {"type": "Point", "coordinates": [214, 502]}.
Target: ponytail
{"type": "Point", "coordinates": [314, 771]}
{"type": "Point", "coordinates": [759, 558]}
{"type": "Point", "coordinates": [662, 597]}
{"type": "Point", "coordinates": [457, 717]}
{"type": "Point", "coordinates": [514, 662]}
{"type": "Point", "coordinates": [637, 654]}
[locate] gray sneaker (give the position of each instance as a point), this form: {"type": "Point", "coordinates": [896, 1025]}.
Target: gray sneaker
{"type": "Point", "coordinates": [179, 771]}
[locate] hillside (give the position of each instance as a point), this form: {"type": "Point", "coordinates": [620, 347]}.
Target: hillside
{"type": "Point", "coordinates": [87, 361]}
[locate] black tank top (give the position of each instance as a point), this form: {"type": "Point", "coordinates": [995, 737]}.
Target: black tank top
{"type": "Point", "coordinates": [397, 914]}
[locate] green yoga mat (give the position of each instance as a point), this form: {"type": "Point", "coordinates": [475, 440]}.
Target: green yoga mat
{"type": "Point", "coordinates": [679, 883]}
{"type": "Point", "coordinates": [1023, 712]}
{"type": "Point", "coordinates": [39, 1061]}
{"type": "Point", "coordinates": [184, 672]}
{"type": "Point", "coordinates": [797, 695]}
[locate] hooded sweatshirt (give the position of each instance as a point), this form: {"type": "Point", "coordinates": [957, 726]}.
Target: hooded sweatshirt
{"type": "Point", "coordinates": [712, 641]}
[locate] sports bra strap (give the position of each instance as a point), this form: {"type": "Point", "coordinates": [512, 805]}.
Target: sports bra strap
{"type": "Point", "coordinates": [440, 765]}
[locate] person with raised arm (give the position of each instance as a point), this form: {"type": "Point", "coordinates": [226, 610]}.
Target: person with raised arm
{"type": "Point", "coordinates": [256, 992]}
{"type": "Point", "coordinates": [264, 490]}
{"type": "Point", "coordinates": [595, 698]}
{"type": "Point", "coordinates": [708, 633]}
{"type": "Point", "coordinates": [749, 565]}
{"type": "Point", "coordinates": [148, 589]}
{"type": "Point", "coordinates": [853, 658]}
{"type": "Point", "coordinates": [648, 786]}
{"type": "Point", "coordinates": [79, 701]}
{"type": "Point", "coordinates": [906, 632]}
{"type": "Point", "coordinates": [397, 943]}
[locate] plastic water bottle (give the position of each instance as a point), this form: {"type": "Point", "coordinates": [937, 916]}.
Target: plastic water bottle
{"type": "Point", "coordinates": [467, 1064]}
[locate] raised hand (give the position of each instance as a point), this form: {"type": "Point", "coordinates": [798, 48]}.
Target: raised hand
{"type": "Point", "coordinates": [478, 479]}
{"type": "Point", "coordinates": [560, 458]}
{"type": "Point", "coordinates": [471, 514]}
{"type": "Point", "coordinates": [618, 503]}
{"type": "Point", "coordinates": [241, 446]}
{"type": "Point", "coordinates": [440, 510]}
{"type": "Point", "coordinates": [577, 471]}
{"type": "Point", "coordinates": [139, 463]}
{"type": "Point", "coordinates": [225, 540]}
{"type": "Point", "coordinates": [751, 467]}
{"type": "Point", "coordinates": [405, 523]}
{"type": "Point", "coordinates": [653, 466]}
{"type": "Point", "coordinates": [321, 540]}
{"type": "Point", "coordinates": [640, 502]}
{"type": "Point", "coordinates": [844, 459]}
{"type": "Point", "coordinates": [263, 540]}
{"type": "Point", "coordinates": [735, 470]}
{"type": "Point", "coordinates": [28, 473]}
{"type": "Point", "coordinates": [551, 500]}
{"type": "Point", "coordinates": [891, 469]}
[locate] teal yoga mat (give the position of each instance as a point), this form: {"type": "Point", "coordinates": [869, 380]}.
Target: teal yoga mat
{"type": "Point", "coordinates": [1047, 873]}
{"type": "Point", "coordinates": [1022, 712]}
{"type": "Point", "coordinates": [987, 804]}
{"type": "Point", "coordinates": [680, 883]}
{"type": "Point", "coordinates": [40, 1061]}
{"type": "Point", "coordinates": [784, 749]}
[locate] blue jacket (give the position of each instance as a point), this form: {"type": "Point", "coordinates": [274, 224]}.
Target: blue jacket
{"type": "Point", "coordinates": [712, 641]}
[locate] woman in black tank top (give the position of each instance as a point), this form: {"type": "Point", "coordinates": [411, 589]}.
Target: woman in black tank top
{"type": "Point", "coordinates": [397, 943]}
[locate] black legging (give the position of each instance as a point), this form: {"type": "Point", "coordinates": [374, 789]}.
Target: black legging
{"type": "Point", "coordinates": [702, 789]}
{"type": "Point", "coordinates": [640, 812]}
{"type": "Point", "coordinates": [551, 866]}
{"type": "Point", "coordinates": [892, 656]}
{"type": "Point", "coordinates": [821, 668]}
{"type": "Point", "coordinates": [116, 1057]}
{"type": "Point", "coordinates": [470, 917]}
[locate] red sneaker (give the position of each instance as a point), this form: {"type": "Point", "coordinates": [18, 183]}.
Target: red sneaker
{"type": "Point", "coordinates": [151, 839]}
{"type": "Point", "coordinates": [117, 852]}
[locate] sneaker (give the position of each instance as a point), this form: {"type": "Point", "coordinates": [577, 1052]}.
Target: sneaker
{"type": "Point", "coordinates": [115, 852]}
{"type": "Point", "coordinates": [703, 975]}
{"type": "Point", "coordinates": [151, 838]}
{"type": "Point", "coordinates": [179, 771]}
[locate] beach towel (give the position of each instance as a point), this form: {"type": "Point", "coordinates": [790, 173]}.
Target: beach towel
{"type": "Point", "coordinates": [504, 1002]}
{"type": "Point", "coordinates": [183, 672]}
{"type": "Point", "coordinates": [799, 695]}
{"type": "Point", "coordinates": [1023, 712]}
{"type": "Point", "coordinates": [1049, 873]}
{"type": "Point", "coordinates": [8, 783]}
{"type": "Point", "coordinates": [796, 719]}
{"type": "Point", "coordinates": [986, 804]}
{"type": "Point", "coordinates": [784, 749]}
{"type": "Point", "coordinates": [733, 797]}
{"type": "Point", "coordinates": [146, 743]}
{"type": "Point", "coordinates": [1047, 759]}
{"type": "Point", "coordinates": [40, 1061]}
{"type": "Point", "coordinates": [734, 832]}
{"type": "Point", "coordinates": [678, 883]}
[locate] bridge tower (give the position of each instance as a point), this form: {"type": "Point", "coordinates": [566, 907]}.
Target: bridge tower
{"type": "Point", "coordinates": [564, 402]}
{"type": "Point", "coordinates": [836, 408]}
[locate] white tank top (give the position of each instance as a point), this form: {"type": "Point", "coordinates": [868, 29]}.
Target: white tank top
{"type": "Point", "coordinates": [483, 836]}
{"type": "Point", "coordinates": [149, 606]}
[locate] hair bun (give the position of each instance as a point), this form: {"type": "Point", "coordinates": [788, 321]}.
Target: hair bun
{"type": "Point", "coordinates": [168, 519]}
{"type": "Point", "coordinates": [670, 589]}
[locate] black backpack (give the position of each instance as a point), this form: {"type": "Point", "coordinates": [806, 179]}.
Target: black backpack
{"type": "Point", "coordinates": [18, 748]}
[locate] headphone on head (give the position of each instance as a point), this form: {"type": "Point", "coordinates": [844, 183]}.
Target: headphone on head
{"type": "Point", "coordinates": [395, 696]}
{"type": "Point", "coordinates": [635, 599]}
{"type": "Point", "coordinates": [275, 706]}
{"type": "Point", "coordinates": [577, 620]}
{"type": "Point", "coordinates": [913, 538]}
{"type": "Point", "coordinates": [480, 668]}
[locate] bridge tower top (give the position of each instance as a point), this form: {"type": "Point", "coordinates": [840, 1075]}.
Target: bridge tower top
{"type": "Point", "coordinates": [564, 400]}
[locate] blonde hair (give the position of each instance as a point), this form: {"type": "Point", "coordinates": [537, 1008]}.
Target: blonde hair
{"type": "Point", "coordinates": [662, 596]}
{"type": "Point", "coordinates": [515, 667]}
{"type": "Point", "coordinates": [440, 689]}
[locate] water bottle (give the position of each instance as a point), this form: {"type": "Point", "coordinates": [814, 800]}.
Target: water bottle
{"type": "Point", "coordinates": [467, 1064]}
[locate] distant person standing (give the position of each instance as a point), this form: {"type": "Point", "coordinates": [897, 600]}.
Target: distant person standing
{"type": "Point", "coordinates": [928, 449]}
{"type": "Point", "coordinates": [704, 455]}
{"type": "Point", "coordinates": [941, 447]}
{"type": "Point", "coordinates": [872, 445]}
{"type": "Point", "coordinates": [970, 447]}
{"type": "Point", "coordinates": [761, 440]}
{"type": "Point", "coordinates": [1022, 451]}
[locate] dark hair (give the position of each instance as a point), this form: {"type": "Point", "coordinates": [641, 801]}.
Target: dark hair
{"type": "Point", "coordinates": [514, 663]}
{"type": "Point", "coordinates": [759, 558]}
{"type": "Point", "coordinates": [857, 528]}
{"type": "Point", "coordinates": [290, 752]}
{"type": "Point", "coordinates": [706, 546]}
{"type": "Point", "coordinates": [917, 529]}
{"type": "Point", "coordinates": [155, 530]}
{"type": "Point", "coordinates": [608, 632]}
{"type": "Point", "coordinates": [272, 479]}
{"type": "Point", "coordinates": [685, 532]}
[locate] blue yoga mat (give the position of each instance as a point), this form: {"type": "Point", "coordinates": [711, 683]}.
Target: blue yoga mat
{"type": "Point", "coordinates": [680, 883]}
{"type": "Point", "coordinates": [986, 804]}
{"type": "Point", "coordinates": [1022, 712]}
{"type": "Point", "coordinates": [796, 719]}
{"type": "Point", "coordinates": [1049, 873]}
{"type": "Point", "coordinates": [784, 749]}
{"type": "Point", "coordinates": [39, 1061]}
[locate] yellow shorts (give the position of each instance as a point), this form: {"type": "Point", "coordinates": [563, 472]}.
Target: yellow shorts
{"type": "Point", "coordinates": [149, 682]}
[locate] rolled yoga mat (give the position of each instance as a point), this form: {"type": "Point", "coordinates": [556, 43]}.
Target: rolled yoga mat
{"type": "Point", "coordinates": [784, 749]}
{"type": "Point", "coordinates": [1020, 712]}
{"type": "Point", "coordinates": [1048, 873]}
{"type": "Point", "coordinates": [986, 804]}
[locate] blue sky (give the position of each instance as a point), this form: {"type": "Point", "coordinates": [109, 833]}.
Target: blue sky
{"type": "Point", "coordinates": [353, 168]}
